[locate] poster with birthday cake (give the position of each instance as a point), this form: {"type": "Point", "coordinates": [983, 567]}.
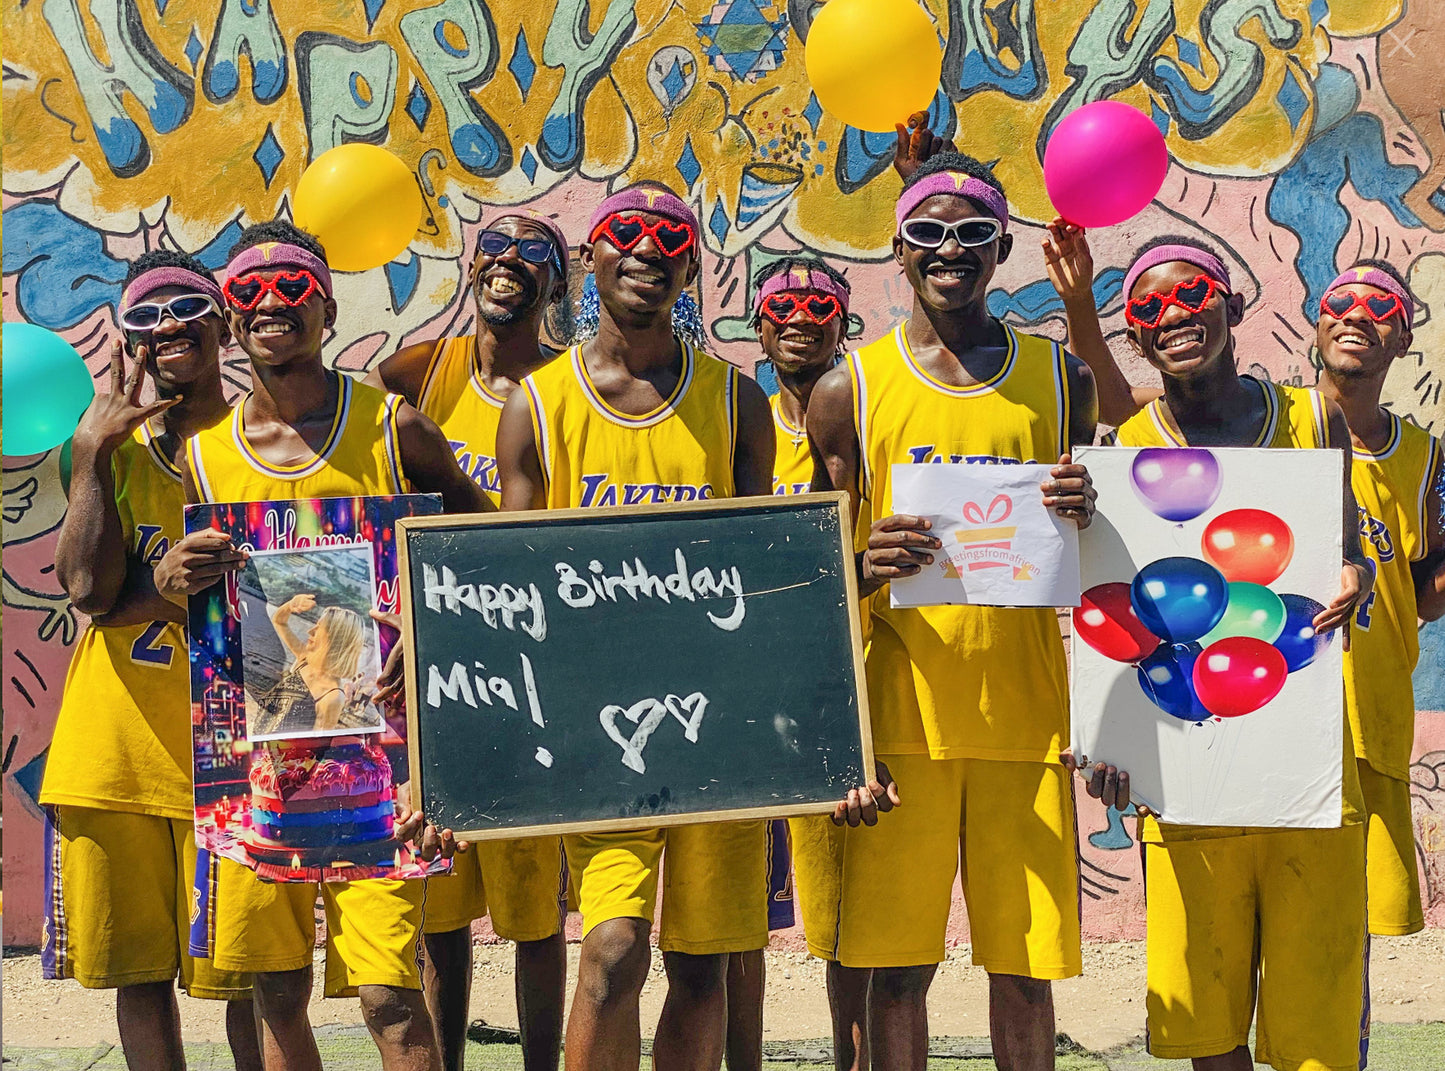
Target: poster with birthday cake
{"type": "Point", "coordinates": [297, 771]}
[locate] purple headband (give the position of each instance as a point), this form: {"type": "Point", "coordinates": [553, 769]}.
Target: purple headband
{"type": "Point", "coordinates": [148, 282]}
{"type": "Point", "coordinates": [956, 184]}
{"type": "Point", "coordinates": [270, 255]}
{"type": "Point", "coordinates": [545, 222]}
{"type": "Point", "coordinates": [1168, 254]}
{"type": "Point", "coordinates": [1375, 277]}
{"type": "Point", "coordinates": [659, 202]}
{"type": "Point", "coordinates": [801, 279]}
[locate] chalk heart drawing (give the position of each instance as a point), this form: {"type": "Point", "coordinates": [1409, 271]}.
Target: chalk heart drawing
{"type": "Point", "coordinates": [647, 715]}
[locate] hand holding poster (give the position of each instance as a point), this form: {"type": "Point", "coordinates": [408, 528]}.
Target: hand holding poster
{"type": "Point", "coordinates": [1001, 545]}
{"type": "Point", "coordinates": [1195, 667]}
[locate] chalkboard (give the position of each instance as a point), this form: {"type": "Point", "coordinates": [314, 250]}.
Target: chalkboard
{"type": "Point", "coordinates": [634, 667]}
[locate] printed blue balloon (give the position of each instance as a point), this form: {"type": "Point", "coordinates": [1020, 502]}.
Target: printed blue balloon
{"type": "Point", "coordinates": [1298, 642]}
{"type": "Point", "coordinates": [47, 388]}
{"type": "Point", "coordinates": [1167, 678]}
{"type": "Point", "coordinates": [1179, 599]}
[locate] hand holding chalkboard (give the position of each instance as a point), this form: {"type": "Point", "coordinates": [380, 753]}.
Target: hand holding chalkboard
{"type": "Point", "coordinates": [608, 669]}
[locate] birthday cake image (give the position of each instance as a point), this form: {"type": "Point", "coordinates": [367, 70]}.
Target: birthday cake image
{"type": "Point", "coordinates": [318, 807]}
{"type": "Point", "coordinates": [988, 544]}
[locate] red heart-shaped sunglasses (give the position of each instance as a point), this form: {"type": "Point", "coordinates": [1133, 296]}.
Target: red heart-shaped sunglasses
{"type": "Point", "coordinates": [820, 308]}
{"type": "Point", "coordinates": [625, 231]}
{"type": "Point", "coordinates": [244, 292]}
{"type": "Point", "coordinates": [1191, 295]}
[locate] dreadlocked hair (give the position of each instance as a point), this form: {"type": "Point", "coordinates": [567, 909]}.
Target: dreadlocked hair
{"type": "Point", "coordinates": [801, 262]}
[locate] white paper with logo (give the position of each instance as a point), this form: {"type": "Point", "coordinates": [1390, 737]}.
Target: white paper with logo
{"type": "Point", "coordinates": [1001, 546]}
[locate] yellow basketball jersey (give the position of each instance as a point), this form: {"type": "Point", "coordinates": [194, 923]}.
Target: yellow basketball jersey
{"type": "Point", "coordinates": [359, 457]}
{"type": "Point", "coordinates": [594, 455]}
{"type": "Point", "coordinates": [1295, 418]}
{"type": "Point", "coordinates": [123, 736]}
{"type": "Point", "coordinates": [793, 469]}
{"type": "Point", "coordinates": [1392, 489]}
{"type": "Point", "coordinates": [467, 412]}
{"type": "Point", "coordinates": [961, 681]}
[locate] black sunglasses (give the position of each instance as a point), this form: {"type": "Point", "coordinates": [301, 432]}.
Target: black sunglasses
{"type": "Point", "coordinates": [532, 250]}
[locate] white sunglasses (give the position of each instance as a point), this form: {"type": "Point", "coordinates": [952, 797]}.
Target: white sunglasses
{"type": "Point", "coordinates": [932, 233]}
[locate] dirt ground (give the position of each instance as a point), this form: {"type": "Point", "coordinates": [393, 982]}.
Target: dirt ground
{"type": "Point", "coordinates": [1102, 1009]}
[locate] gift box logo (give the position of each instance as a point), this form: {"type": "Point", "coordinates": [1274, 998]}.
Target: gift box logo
{"type": "Point", "coordinates": [989, 543]}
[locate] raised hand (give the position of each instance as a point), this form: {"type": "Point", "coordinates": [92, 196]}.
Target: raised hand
{"type": "Point", "coordinates": [1069, 261]}
{"type": "Point", "coordinates": [112, 418]}
{"type": "Point", "coordinates": [916, 143]}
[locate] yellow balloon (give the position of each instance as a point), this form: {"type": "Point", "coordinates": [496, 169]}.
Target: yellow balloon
{"type": "Point", "coordinates": [362, 202]}
{"type": "Point", "coordinates": [873, 63]}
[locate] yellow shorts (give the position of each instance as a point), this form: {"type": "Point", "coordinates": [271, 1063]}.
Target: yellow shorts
{"type": "Point", "coordinates": [1280, 915]}
{"type": "Point", "coordinates": [118, 892]}
{"type": "Point", "coordinates": [818, 879]}
{"type": "Point", "coordinates": [1013, 825]}
{"type": "Point", "coordinates": [715, 883]}
{"type": "Point", "coordinates": [1394, 879]}
{"type": "Point", "coordinates": [520, 883]}
{"type": "Point", "coordinates": [373, 928]}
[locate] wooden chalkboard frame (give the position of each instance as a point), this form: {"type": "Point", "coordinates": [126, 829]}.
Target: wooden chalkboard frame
{"type": "Point", "coordinates": [544, 518]}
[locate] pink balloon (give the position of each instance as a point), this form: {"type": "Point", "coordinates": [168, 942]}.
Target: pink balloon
{"type": "Point", "coordinates": [1104, 163]}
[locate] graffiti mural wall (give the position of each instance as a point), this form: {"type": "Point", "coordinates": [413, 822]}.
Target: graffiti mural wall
{"type": "Point", "coordinates": [1304, 133]}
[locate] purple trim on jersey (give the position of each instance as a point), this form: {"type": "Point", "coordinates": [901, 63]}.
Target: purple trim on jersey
{"type": "Point", "coordinates": [780, 877]}
{"type": "Point", "coordinates": [200, 935]}
{"type": "Point", "coordinates": [55, 935]}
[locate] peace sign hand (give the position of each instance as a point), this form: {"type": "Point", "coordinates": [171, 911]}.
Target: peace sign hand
{"type": "Point", "coordinates": [112, 418]}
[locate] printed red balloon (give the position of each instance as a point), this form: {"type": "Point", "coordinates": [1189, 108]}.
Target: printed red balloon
{"type": "Point", "coordinates": [1106, 621]}
{"type": "Point", "coordinates": [1249, 546]}
{"type": "Point", "coordinates": [1238, 675]}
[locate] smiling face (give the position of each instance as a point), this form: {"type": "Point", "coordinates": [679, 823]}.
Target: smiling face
{"type": "Point", "coordinates": [274, 333]}
{"type": "Point", "coordinates": [799, 344]}
{"type": "Point", "coordinates": [951, 277]}
{"type": "Point", "coordinates": [1354, 345]}
{"type": "Point", "coordinates": [642, 283]}
{"type": "Point", "coordinates": [509, 288]}
{"type": "Point", "coordinates": [179, 353]}
{"type": "Point", "coordinates": [1182, 342]}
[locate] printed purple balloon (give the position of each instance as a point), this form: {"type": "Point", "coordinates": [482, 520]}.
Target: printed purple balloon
{"type": "Point", "coordinates": [1176, 483]}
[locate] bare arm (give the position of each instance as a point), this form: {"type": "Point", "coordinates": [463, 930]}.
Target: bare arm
{"type": "Point", "coordinates": [1357, 576]}
{"type": "Point", "coordinates": [404, 372]}
{"type": "Point", "coordinates": [281, 621]}
{"type": "Point", "coordinates": [1429, 572]}
{"type": "Point", "coordinates": [897, 545]}
{"type": "Point", "coordinates": [757, 446]}
{"type": "Point", "coordinates": [139, 603]}
{"type": "Point", "coordinates": [90, 558]}
{"type": "Point", "coordinates": [519, 464]}
{"type": "Point", "coordinates": [1070, 266]}
{"type": "Point", "coordinates": [432, 467]}
{"type": "Point", "coordinates": [1083, 401]}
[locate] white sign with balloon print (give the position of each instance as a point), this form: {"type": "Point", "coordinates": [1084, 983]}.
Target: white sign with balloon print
{"type": "Point", "coordinates": [1195, 666]}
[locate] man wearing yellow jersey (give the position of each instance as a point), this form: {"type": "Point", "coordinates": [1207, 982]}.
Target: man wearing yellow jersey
{"type": "Point", "coordinates": [801, 316]}
{"type": "Point", "coordinates": [1243, 916]}
{"type": "Point", "coordinates": [636, 416]}
{"type": "Point", "coordinates": [118, 778]}
{"type": "Point", "coordinates": [304, 431]}
{"type": "Point", "coordinates": [1365, 324]}
{"type": "Point", "coordinates": [969, 704]}
{"type": "Point", "coordinates": [461, 382]}
{"type": "Point", "coordinates": [1363, 328]}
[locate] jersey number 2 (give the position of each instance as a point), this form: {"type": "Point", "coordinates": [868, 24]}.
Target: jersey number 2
{"type": "Point", "coordinates": [149, 651]}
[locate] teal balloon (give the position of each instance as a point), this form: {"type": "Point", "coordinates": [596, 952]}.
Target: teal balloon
{"type": "Point", "coordinates": [47, 388]}
{"type": "Point", "coordinates": [1253, 610]}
